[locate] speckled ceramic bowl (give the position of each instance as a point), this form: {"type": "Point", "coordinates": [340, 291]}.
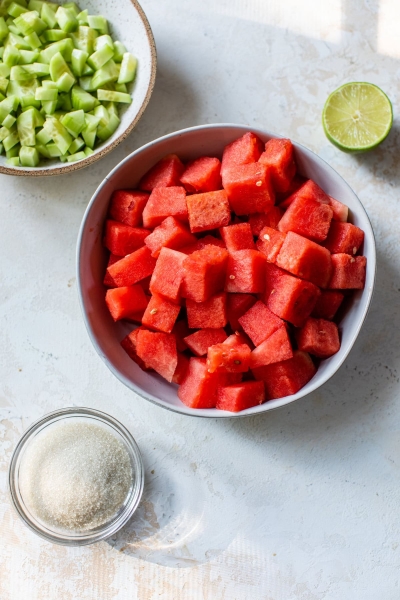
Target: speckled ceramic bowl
{"type": "Point", "coordinates": [92, 259]}
{"type": "Point", "coordinates": [129, 24]}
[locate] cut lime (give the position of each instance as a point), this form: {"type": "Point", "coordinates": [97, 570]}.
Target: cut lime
{"type": "Point", "coordinates": [357, 117]}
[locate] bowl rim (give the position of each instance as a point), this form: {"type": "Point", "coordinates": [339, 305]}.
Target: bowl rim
{"type": "Point", "coordinates": [81, 164]}
{"type": "Point", "coordinates": [263, 408]}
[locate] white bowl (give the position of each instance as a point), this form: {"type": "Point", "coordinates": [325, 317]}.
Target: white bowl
{"type": "Point", "coordinates": [129, 24]}
{"type": "Point", "coordinates": [92, 259]}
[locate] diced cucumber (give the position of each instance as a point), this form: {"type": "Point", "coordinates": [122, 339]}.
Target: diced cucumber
{"type": "Point", "coordinates": [48, 15]}
{"type": "Point", "coordinates": [53, 150]}
{"type": "Point", "coordinates": [87, 70]}
{"type": "Point", "coordinates": [75, 157]}
{"type": "Point", "coordinates": [4, 132]}
{"type": "Point", "coordinates": [28, 156]}
{"type": "Point", "coordinates": [11, 56]}
{"type": "Point", "coordinates": [53, 35]}
{"type": "Point", "coordinates": [103, 40]}
{"type": "Point", "coordinates": [91, 122]}
{"type": "Point", "coordinates": [121, 87]}
{"type": "Point", "coordinates": [4, 70]}
{"type": "Point", "coordinates": [86, 84]}
{"type": "Point", "coordinates": [78, 61]}
{"type": "Point", "coordinates": [30, 22]}
{"type": "Point", "coordinates": [88, 151]}
{"type": "Point", "coordinates": [17, 41]}
{"type": "Point", "coordinates": [76, 145]}
{"type": "Point", "coordinates": [128, 68]}
{"type": "Point", "coordinates": [74, 122]}
{"type": "Point", "coordinates": [81, 99]}
{"type": "Point", "coordinates": [119, 51]}
{"type": "Point", "coordinates": [107, 74]}
{"type": "Point", "coordinates": [58, 133]}
{"type": "Point", "coordinates": [65, 82]}
{"type": "Point", "coordinates": [28, 56]}
{"type": "Point", "coordinates": [2, 97]}
{"type": "Point", "coordinates": [48, 83]}
{"type": "Point", "coordinates": [50, 107]}
{"type": "Point", "coordinates": [89, 137]}
{"type": "Point", "coordinates": [11, 140]}
{"type": "Point", "coordinates": [102, 114]}
{"type": "Point", "coordinates": [9, 121]}
{"type": "Point", "coordinates": [66, 19]}
{"type": "Point", "coordinates": [7, 106]}
{"type": "Point", "coordinates": [15, 10]}
{"type": "Point", "coordinates": [26, 72]}
{"type": "Point", "coordinates": [103, 133]}
{"type": "Point", "coordinates": [46, 94]}
{"type": "Point", "coordinates": [13, 161]}
{"type": "Point", "coordinates": [82, 17]}
{"type": "Point", "coordinates": [65, 47]}
{"type": "Point", "coordinates": [58, 66]}
{"type": "Point", "coordinates": [33, 40]}
{"type": "Point", "coordinates": [42, 149]}
{"type": "Point", "coordinates": [3, 29]}
{"type": "Point", "coordinates": [42, 137]}
{"type": "Point", "coordinates": [99, 23]}
{"type": "Point", "coordinates": [72, 6]}
{"type": "Point", "coordinates": [106, 96]}
{"type": "Point", "coordinates": [26, 128]}
{"type": "Point", "coordinates": [35, 5]}
{"type": "Point", "coordinates": [14, 151]}
{"type": "Point", "coordinates": [64, 102]}
{"type": "Point", "coordinates": [112, 108]}
{"type": "Point", "coordinates": [100, 57]}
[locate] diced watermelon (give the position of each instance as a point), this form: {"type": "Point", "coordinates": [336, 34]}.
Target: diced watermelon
{"type": "Point", "coordinates": [209, 314]}
{"type": "Point", "coordinates": [170, 234]}
{"type": "Point", "coordinates": [126, 206]}
{"type": "Point", "coordinates": [238, 237]}
{"type": "Point", "coordinates": [205, 272]}
{"type": "Point", "coordinates": [229, 357]}
{"type": "Point", "coordinates": [123, 302]}
{"type": "Point", "coordinates": [165, 202]}
{"type": "Point", "coordinates": [242, 151]}
{"type": "Point", "coordinates": [136, 317]}
{"type": "Point", "coordinates": [258, 221]}
{"type": "Point", "coordinates": [308, 190]}
{"type": "Point", "coordinates": [122, 239]}
{"type": "Point", "coordinates": [199, 388]}
{"type": "Point", "coordinates": [168, 274]}
{"type": "Point", "coordinates": [207, 240]}
{"type": "Point", "coordinates": [348, 272]}
{"type": "Point", "coordinates": [237, 305]}
{"type": "Point", "coordinates": [309, 214]}
{"type": "Point", "coordinates": [286, 198]}
{"type": "Point", "coordinates": [344, 238]}
{"type": "Point", "coordinates": [158, 351]}
{"type": "Point", "coordinates": [199, 341]}
{"type": "Point", "coordinates": [202, 175]}
{"type": "Point", "coordinates": [248, 188]}
{"type": "Point", "coordinates": [327, 304]}
{"type": "Point", "coordinates": [160, 314]}
{"type": "Point", "coordinates": [166, 173]}
{"type": "Point", "coordinates": [287, 377]}
{"type": "Point", "coordinates": [131, 269]}
{"type": "Point", "coordinates": [275, 348]}
{"type": "Point", "coordinates": [318, 337]}
{"type": "Point", "coordinates": [129, 345]}
{"type": "Point", "coordinates": [145, 284]}
{"type": "Point", "coordinates": [270, 243]}
{"type": "Point", "coordinates": [208, 211]}
{"type": "Point", "coordinates": [340, 211]}
{"type": "Point", "coordinates": [260, 323]}
{"type": "Point", "coordinates": [108, 281]}
{"type": "Point", "coordinates": [240, 396]}
{"type": "Point", "coordinates": [181, 369]}
{"type": "Point", "coordinates": [279, 158]}
{"type": "Point", "coordinates": [288, 297]}
{"type": "Point", "coordinates": [245, 272]}
{"type": "Point", "coordinates": [306, 259]}
{"type": "Point", "coordinates": [180, 331]}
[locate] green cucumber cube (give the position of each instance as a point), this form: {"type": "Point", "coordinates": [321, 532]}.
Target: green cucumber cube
{"type": "Point", "coordinates": [46, 94]}
{"type": "Point", "coordinates": [28, 156]}
{"type": "Point", "coordinates": [11, 56]}
{"type": "Point", "coordinates": [100, 57]}
{"type": "Point", "coordinates": [3, 29]}
{"type": "Point", "coordinates": [42, 137]}
{"type": "Point", "coordinates": [66, 19]}
{"type": "Point", "coordinates": [11, 140]}
{"type": "Point", "coordinates": [82, 17]}
{"type": "Point", "coordinates": [103, 133]}
{"type": "Point", "coordinates": [106, 96]}
{"type": "Point", "coordinates": [53, 35]}
{"type": "Point", "coordinates": [81, 99]}
{"type": "Point", "coordinates": [15, 10]}
{"type": "Point", "coordinates": [74, 122]}
{"type": "Point", "coordinates": [9, 121]}
{"type": "Point", "coordinates": [107, 74]}
{"type": "Point", "coordinates": [76, 145]}
{"type": "Point", "coordinates": [33, 40]}
{"type": "Point", "coordinates": [103, 40]}
{"type": "Point", "coordinates": [78, 61]}
{"type": "Point", "coordinates": [128, 68]}
{"type": "Point", "coordinates": [58, 133]}
{"type": "Point", "coordinates": [28, 56]}
{"type": "Point", "coordinates": [48, 15]}
{"type": "Point", "coordinates": [65, 47]}
{"type": "Point", "coordinates": [13, 161]}
{"type": "Point", "coordinates": [119, 51]}
{"type": "Point", "coordinates": [75, 157]}
{"type": "Point", "coordinates": [99, 23]}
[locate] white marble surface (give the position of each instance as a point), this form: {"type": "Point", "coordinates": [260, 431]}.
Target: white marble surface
{"type": "Point", "coordinates": [299, 504]}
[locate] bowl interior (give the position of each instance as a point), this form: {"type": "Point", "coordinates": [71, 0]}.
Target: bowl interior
{"type": "Point", "coordinates": [128, 24]}
{"type": "Point", "coordinates": [92, 259]}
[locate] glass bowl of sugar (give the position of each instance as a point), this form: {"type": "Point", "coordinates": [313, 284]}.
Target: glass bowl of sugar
{"type": "Point", "coordinates": [76, 476]}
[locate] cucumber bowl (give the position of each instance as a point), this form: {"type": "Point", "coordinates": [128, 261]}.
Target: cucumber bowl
{"type": "Point", "coordinates": [92, 257]}
{"type": "Point", "coordinates": [73, 84]}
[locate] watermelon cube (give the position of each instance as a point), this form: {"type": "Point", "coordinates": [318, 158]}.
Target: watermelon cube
{"type": "Point", "coordinates": [165, 202]}
{"type": "Point", "coordinates": [126, 206]}
{"type": "Point", "coordinates": [344, 238]}
{"type": "Point", "coordinates": [129, 345]}
{"type": "Point", "coordinates": [181, 369]}
{"type": "Point", "coordinates": [238, 237]}
{"type": "Point", "coordinates": [258, 221]}
{"type": "Point", "coordinates": [348, 272]}
{"type": "Point", "coordinates": [245, 272]}
{"type": "Point", "coordinates": [208, 211]}
{"type": "Point", "coordinates": [166, 173]}
{"type": "Point", "coordinates": [237, 305]}
{"type": "Point", "coordinates": [248, 188]}
{"type": "Point", "coordinates": [231, 356]}
{"type": "Point", "coordinates": [207, 240]}
{"type": "Point", "coordinates": [308, 214]}
{"type": "Point", "coordinates": [122, 239]}
{"type": "Point", "coordinates": [318, 337]}
{"type": "Point", "coordinates": [204, 273]}
{"type": "Point", "coordinates": [108, 281]}
{"type": "Point", "coordinates": [327, 304]}
{"type": "Point", "coordinates": [306, 259]}
{"type": "Point", "coordinates": [340, 210]}
{"type": "Point", "coordinates": [288, 297]}
{"type": "Point", "coordinates": [199, 341]}
{"type": "Point", "coordinates": [160, 314]}
{"type": "Point", "coordinates": [209, 314]}
{"type": "Point", "coordinates": [287, 377]}
{"type": "Point", "coordinates": [202, 175]}
{"type": "Point", "coordinates": [131, 269]}
{"type": "Point", "coordinates": [240, 396]}
{"type": "Point", "coordinates": [260, 323]}
{"type": "Point", "coordinates": [279, 158]}
{"type": "Point", "coordinates": [242, 151]}
{"type": "Point", "coordinates": [180, 331]}
{"type": "Point", "coordinates": [168, 274]}
{"type": "Point", "coordinates": [199, 387]}
{"type": "Point", "coordinates": [125, 302]}
{"type": "Point", "coordinates": [286, 198]}
{"type": "Point", "coordinates": [270, 242]}
{"type": "Point", "coordinates": [275, 348]}
{"type": "Point", "coordinates": [158, 351]}
{"type": "Point", "coordinates": [170, 234]}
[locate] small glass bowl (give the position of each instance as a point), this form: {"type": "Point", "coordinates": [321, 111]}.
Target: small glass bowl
{"type": "Point", "coordinates": [91, 416]}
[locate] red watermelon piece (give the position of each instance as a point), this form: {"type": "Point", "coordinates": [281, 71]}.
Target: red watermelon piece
{"type": "Point", "coordinates": [287, 377]}
{"type": "Point", "coordinates": [170, 234]}
{"type": "Point", "coordinates": [108, 281]}
{"type": "Point", "coordinates": [245, 272]}
{"type": "Point", "coordinates": [125, 302]}
{"type": "Point", "coordinates": [238, 237]}
{"type": "Point", "coordinates": [181, 369]}
{"type": "Point", "coordinates": [260, 323]}
{"type": "Point", "coordinates": [232, 356]}
{"type": "Point", "coordinates": [258, 221]}
{"type": "Point", "coordinates": [275, 348]}
{"type": "Point", "coordinates": [340, 210]}
{"type": "Point", "coordinates": [166, 173]}
{"type": "Point", "coordinates": [131, 269]}
{"type": "Point", "coordinates": [279, 158]}
{"type": "Point", "coordinates": [165, 202]}
{"type": "Point", "coordinates": [204, 273]}
{"type": "Point", "coordinates": [199, 387]}
{"type": "Point", "coordinates": [242, 151]}
{"type": "Point", "coordinates": [348, 272]}
{"type": "Point", "coordinates": [180, 331]}
{"type": "Point", "coordinates": [248, 188]}
{"type": "Point", "coordinates": [344, 238]}
{"type": "Point", "coordinates": [199, 341]}
{"type": "Point", "coordinates": [160, 314]}
{"type": "Point", "coordinates": [306, 259]}
{"type": "Point", "coordinates": [158, 351]}
{"type": "Point", "coordinates": [207, 240]}
{"type": "Point", "coordinates": [270, 243]}
{"type": "Point", "coordinates": [237, 305]}
{"type": "Point", "coordinates": [327, 304]}
{"type": "Point", "coordinates": [286, 198]}
{"type": "Point", "coordinates": [122, 239]}
{"type": "Point", "coordinates": [168, 274]}
{"type": "Point", "coordinates": [202, 175]}
{"type": "Point", "coordinates": [318, 337]}
{"type": "Point", "coordinates": [209, 314]}
{"type": "Point", "coordinates": [208, 211]}
{"type": "Point", "coordinates": [240, 396]}
{"type": "Point", "coordinates": [126, 206]}
{"type": "Point", "coordinates": [129, 345]}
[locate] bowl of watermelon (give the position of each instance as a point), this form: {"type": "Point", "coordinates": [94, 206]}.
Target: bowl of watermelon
{"type": "Point", "coordinates": [224, 272]}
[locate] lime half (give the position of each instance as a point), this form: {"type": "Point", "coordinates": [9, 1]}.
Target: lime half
{"type": "Point", "coordinates": [357, 117]}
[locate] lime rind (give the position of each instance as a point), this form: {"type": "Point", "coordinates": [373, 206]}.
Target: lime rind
{"type": "Point", "coordinates": [357, 117]}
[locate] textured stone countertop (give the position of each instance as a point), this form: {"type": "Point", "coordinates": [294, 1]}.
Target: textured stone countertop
{"type": "Point", "coordinates": [301, 503]}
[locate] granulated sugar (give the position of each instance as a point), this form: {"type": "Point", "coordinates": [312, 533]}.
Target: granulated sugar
{"type": "Point", "coordinates": [75, 476]}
